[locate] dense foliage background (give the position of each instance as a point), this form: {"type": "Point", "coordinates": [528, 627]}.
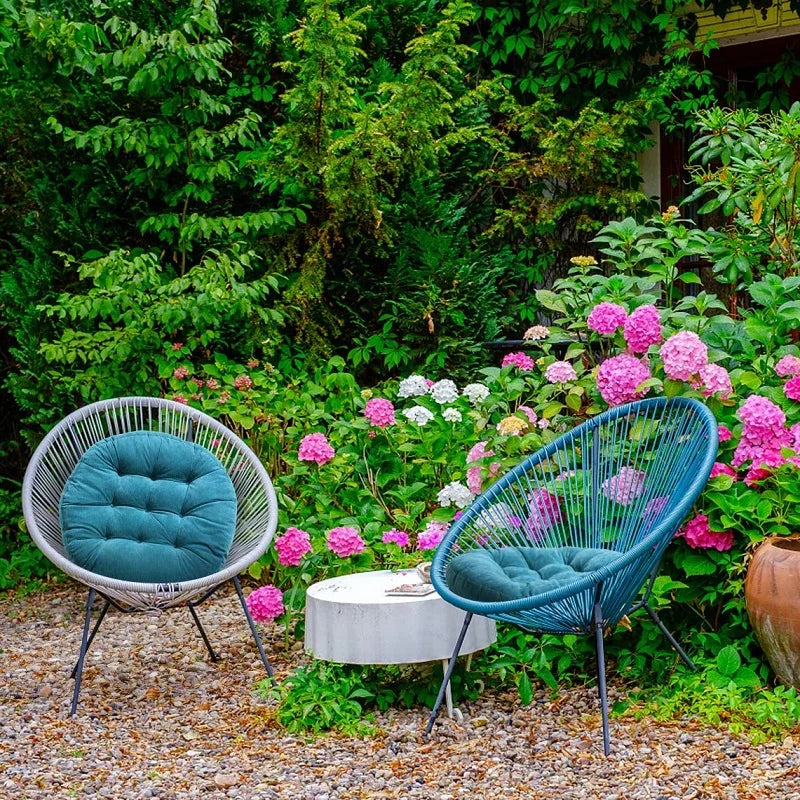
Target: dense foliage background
{"type": "Point", "coordinates": [292, 179]}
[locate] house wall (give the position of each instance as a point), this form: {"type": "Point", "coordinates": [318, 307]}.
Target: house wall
{"type": "Point", "coordinates": [650, 164]}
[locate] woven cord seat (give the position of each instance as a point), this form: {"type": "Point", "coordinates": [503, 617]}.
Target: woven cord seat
{"type": "Point", "coordinates": [570, 540]}
{"type": "Point", "coordinates": [55, 461]}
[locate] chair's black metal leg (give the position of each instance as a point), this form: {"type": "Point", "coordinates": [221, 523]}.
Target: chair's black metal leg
{"type": "Point", "coordinates": [448, 673]}
{"type": "Point", "coordinates": [253, 630]}
{"type": "Point", "coordinates": [678, 649]}
{"type": "Point", "coordinates": [601, 675]}
{"type": "Point", "coordinates": [82, 654]}
{"type": "Point", "coordinates": [103, 610]}
{"type": "Point", "coordinates": [202, 633]}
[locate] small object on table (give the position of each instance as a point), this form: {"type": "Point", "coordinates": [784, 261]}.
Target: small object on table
{"type": "Point", "coordinates": [411, 590]}
{"type": "Point", "coordinates": [359, 619]}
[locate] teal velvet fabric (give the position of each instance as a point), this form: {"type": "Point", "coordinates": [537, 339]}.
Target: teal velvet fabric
{"type": "Point", "coordinates": [148, 507]}
{"type": "Point", "coordinates": [513, 573]}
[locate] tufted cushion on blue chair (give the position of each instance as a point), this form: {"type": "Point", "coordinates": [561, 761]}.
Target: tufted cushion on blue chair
{"type": "Point", "coordinates": [513, 573]}
{"type": "Point", "coordinates": [148, 507]}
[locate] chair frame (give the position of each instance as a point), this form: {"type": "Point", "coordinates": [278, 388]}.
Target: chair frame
{"type": "Point", "coordinates": [56, 458]}
{"type": "Point", "coordinates": [604, 596]}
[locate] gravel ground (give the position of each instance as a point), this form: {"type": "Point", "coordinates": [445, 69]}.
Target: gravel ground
{"type": "Point", "coordinates": [156, 720]}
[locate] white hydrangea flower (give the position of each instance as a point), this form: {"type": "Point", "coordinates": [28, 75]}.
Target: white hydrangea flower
{"type": "Point", "coordinates": [412, 386]}
{"type": "Point", "coordinates": [475, 392]}
{"type": "Point", "coordinates": [536, 333]}
{"type": "Point", "coordinates": [418, 414]}
{"type": "Point", "coordinates": [494, 517]}
{"type": "Point", "coordinates": [451, 415]}
{"type": "Point", "coordinates": [456, 494]}
{"type": "Point", "coordinates": [444, 392]}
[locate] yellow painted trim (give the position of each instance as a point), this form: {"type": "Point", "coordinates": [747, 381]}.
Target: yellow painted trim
{"type": "Point", "coordinates": [750, 25]}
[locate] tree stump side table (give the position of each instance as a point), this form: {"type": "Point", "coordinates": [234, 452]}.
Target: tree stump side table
{"type": "Point", "coordinates": [351, 620]}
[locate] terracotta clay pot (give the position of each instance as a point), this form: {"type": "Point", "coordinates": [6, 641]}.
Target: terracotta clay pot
{"type": "Point", "coordinates": [772, 594]}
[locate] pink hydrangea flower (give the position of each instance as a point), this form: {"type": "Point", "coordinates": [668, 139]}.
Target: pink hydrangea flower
{"type": "Point", "coordinates": [605, 318]}
{"type": "Point", "coordinates": [759, 413]}
{"type": "Point", "coordinates": [755, 475]}
{"type": "Point", "coordinates": [243, 382]}
{"type": "Point", "coordinates": [654, 507]}
{"type": "Point", "coordinates": [315, 447]}
{"type": "Point", "coordinates": [252, 363]}
{"type": "Point", "coordinates": [794, 434]}
{"type": "Point", "coordinates": [715, 380]}
{"type": "Point", "coordinates": [560, 372]}
{"type": "Point", "coordinates": [642, 329]}
{"type": "Point", "coordinates": [431, 537]}
{"type": "Point", "coordinates": [177, 345]}
{"type": "Point", "coordinates": [265, 603]}
{"type": "Point", "coordinates": [212, 383]}
{"type": "Point", "coordinates": [625, 486]}
{"type": "Point", "coordinates": [520, 360]}
{"type": "Point", "coordinates": [475, 474]}
{"type": "Point", "coordinates": [684, 355]}
{"type": "Point", "coordinates": [394, 536]}
{"type": "Point", "coordinates": [788, 365]}
{"type": "Point", "coordinates": [379, 412]}
{"type": "Point", "coordinates": [529, 413]}
{"type": "Point", "coordinates": [478, 451]}
{"type": "Point", "coordinates": [722, 469]}
{"type": "Point", "coordinates": [619, 377]}
{"type": "Point", "coordinates": [179, 398]}
{"type": "Point", "coordinates": [764, 433]}
{"type": "Point", "coordinates": [724, 433]}
{"type": "Point", "coordinates": [292, 546]}
{"type": "Point", "coordinates": [198, 382]}
{"type": "Point", "coordinates": [699, 536]}
{"type": "Point", "coordinates": [180, 373]}
{"type": "Point", "coordinates": [475, 480]}
{"type": "Point", "coordinates": [345, 541]}
{"type": "Point", "coordinates": [545, 512]}
{"type": "Point", "coordinates": [792, 388]}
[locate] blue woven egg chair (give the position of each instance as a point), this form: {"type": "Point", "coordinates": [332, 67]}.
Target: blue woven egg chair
{"type": "Point", "coordinates": [570, 540]}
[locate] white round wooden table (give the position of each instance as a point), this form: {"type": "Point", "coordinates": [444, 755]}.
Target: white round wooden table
{"type": "Point", "coordinates": [351, 619]}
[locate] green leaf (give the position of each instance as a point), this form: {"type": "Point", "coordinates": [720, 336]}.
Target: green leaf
{"type": "Point", "coordinates": [697, 564]}
{"type": "Point", "coordinates": [551, 300]}
{"type": "Point", "coordinates": [551, 409]}
{"type": "Point", "coordinates": [763, 509]}
{"type": "Point", "coordinates": [525, 688]}
{"type": "Point", "coordinates": [721, 483]}
{"type": "Point", "coordinates": [747, 678]}
{"type": "Point", "coordinates": [728, 660]}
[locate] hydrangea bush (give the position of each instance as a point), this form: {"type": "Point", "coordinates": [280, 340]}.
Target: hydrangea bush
{"type": "Point", "coordinates": [373, 478]}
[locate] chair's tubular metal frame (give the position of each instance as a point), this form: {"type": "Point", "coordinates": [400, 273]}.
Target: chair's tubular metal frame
{"type": "Point", "coordinates": [600, 599]}
{"type": "Point", "coordinates": [59, 453]}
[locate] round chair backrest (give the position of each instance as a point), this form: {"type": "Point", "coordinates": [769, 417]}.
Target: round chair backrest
{"type": "Point", "coordinates": [62, 448]}
{"type": "Point", "coordinates": [605, 484]}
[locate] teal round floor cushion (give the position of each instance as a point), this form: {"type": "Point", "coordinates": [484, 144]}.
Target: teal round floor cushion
{"type": "Point", "coordinates": [148, 507]}
{"type": "Point", "coordinates": [514, 573]}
